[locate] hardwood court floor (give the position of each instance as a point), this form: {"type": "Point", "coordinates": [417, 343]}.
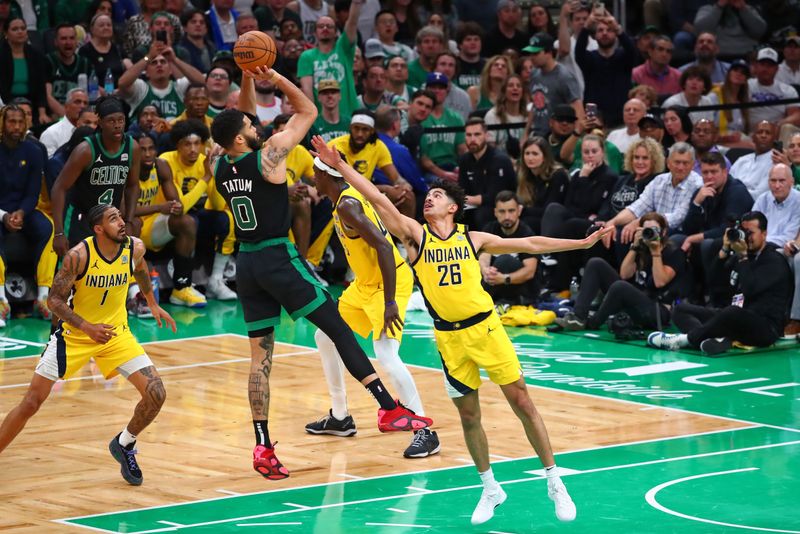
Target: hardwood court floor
{"type": "Point", "coordinates": [200, 445]}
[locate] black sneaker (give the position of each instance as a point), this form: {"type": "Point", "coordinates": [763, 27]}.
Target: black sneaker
{"type": "Point", "coordinates": [335, 427]}
{"type": "Point", "coordinates": [424, 443]}
{"type": "Point", "coordinates": [127, 460]}
{"type": "Point", "coordinates": [713, 346]}
{"type": "Point", "coordinates": [570, 321]}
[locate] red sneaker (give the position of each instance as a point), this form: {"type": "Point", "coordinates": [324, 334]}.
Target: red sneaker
{"type": "Point", "coordinates": [401, 418]}
{"type": "Point", "coordinates": [266, 463]}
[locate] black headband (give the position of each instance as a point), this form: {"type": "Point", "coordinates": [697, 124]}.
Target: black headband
{"type": "Point", "coordinates": [109, 106]}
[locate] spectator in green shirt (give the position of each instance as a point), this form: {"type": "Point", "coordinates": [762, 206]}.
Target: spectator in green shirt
{"type": "Point", "coordinates": [430, 43]}
{"type": "Point", "coordinates": [440, 150]}
{"type": "Point", "coordinates": [330, 123]}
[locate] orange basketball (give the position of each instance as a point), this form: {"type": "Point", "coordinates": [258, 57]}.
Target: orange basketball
{"type": "Point", "coordinates": [255, 49]}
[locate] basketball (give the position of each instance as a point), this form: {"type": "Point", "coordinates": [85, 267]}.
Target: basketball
{"type": "Point", "coordinates": [255, 49]}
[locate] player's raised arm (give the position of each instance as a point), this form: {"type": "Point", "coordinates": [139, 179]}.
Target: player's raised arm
{"type": "Point", "coordinates": [405, 228]}
{"type": "Point", "coordinates": [532, 245]}
{"type": "Point", "coordinates": [142, 276]}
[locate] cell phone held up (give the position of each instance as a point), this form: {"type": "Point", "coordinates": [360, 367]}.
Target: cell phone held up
{"type": "Point", "coordinates": [777, 146]}
{"type": "Point", "coordinates": [161, 36]}
{"type": "Point", "coordinates": [591, 110]}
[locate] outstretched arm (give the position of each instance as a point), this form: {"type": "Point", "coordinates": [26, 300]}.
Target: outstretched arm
{"type": "Point", "coordinates": [532, 245]}
{"type": "Point", "coordinates": [398, 224]}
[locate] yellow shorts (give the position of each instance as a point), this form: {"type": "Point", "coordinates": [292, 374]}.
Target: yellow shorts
{"type": "Point", "coordinates": [482, 346]}
{"type": "Point", "coordinates": [155, 231]}
{"type": "Point", "coordinates": [362, 307]}
{"type": "Point", "coordinates": [65, 355]}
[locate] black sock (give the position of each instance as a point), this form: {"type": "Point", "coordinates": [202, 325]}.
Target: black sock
{"type": "Point", "coordinates": [182, 275]}
{"type": "Point", "coordinates": [378, 391]}
{"type": "Point", "coordinates": [262, 433]}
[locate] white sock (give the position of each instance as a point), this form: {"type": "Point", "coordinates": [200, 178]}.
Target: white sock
{"type": "Point", "coordinates": [388, 352]}
{"type": "Point", "coordinates": [2, 292]}
{"type": "Point", "coordinates": [220, 260]}
{"type": "Point", "coordinates": [43, 292]}
{"type": "Point", "coordinates": [551, 472]}
{"type": "Point", "coordinates": [133, 289]}
{"type": "Point", "coordinates": [489, 483]}
{"type": "Point", "coordinates": [126, 438]}
{"type": "Point", "coordinates": [333, 368]}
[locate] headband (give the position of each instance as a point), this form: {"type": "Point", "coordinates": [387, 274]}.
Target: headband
{"type": "Point", "coordinates": [109, 106]}
{"type": "Point", "coordinates": [363, 119]}
{"type": "Point", "coordinates": [324, 167]}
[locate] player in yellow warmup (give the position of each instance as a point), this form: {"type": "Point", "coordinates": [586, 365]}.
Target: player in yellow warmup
{"type": "Point", "coordinates": [88, 295]}
{"type": "Point", "coordinates": [375, 302]}
{"type": "Point", "coordinates": [468, 333]}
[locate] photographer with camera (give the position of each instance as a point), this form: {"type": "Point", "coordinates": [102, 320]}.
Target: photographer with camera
{"type": "Point", "coordinates": [720, 200]}
{"type": "Point", "coordinates": [757, 314]}
{"type": "Point", "coordinates": [645, 285]}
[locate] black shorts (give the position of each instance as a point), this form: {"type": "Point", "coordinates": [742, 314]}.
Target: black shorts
{"type": "Point", "coordinates": [76, 225]}
{"type": "Point", "coordinates": [271, 275]}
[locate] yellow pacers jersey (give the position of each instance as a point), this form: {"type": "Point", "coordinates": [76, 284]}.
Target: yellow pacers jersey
{"type": "Point", "coordinates": [188, 179]}
{"type": "Point", "coordinates": [449, 274]}
{"type": "Point", "coordinates": [149, 190]}
{"type": "Point", "coordinates": [361, 257]}
{"type": "Point", "coordinates": [99, 294]}
{"type": "Point", "coordinates": [299, 164]}
{"type": "Point", "coordinates": [364, 161]}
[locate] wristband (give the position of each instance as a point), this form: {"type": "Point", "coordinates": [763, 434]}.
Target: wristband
{"type": "Point", "coordinates": [59, 234]}
{"type": "Point", "coordinates": [390, 302]}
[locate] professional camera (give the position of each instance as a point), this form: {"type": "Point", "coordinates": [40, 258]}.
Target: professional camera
{"type": "Point", "coordinates": [650, 234]}
{"type": "Point", "coordinates": [735, 233]}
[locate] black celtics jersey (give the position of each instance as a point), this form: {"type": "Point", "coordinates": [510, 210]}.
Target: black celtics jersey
{"type": "Point", "coordinates": [103, 181]}
{"type": "Point", "coordinates": [260, 208]}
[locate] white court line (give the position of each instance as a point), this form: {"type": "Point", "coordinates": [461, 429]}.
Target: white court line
{"type": "Point", "coordinates": [228, 492]}
{"type": "Point", "coordinates": [498, 457]}
{"type": "Point", "coordinates": [650, 497]}
{"type": "Point", "coordinates": [420, 490]}
{"type": "Point", "coordinates": [353, 477]}
{"type": "Point", "coordinates": [405, 525]}
{"type": "Point", "coordinates": [172, 524]}
{"type": "Point", "coordinates": [162, 369]}
{"type": "Point", "coordinates": [379, 477]}
{"type": "Point", "coordinates": [297, 506]}
{"type": "Point", "coordinates": [464, 460]}
{"type": "Point", "coordinates": [397, 510]}
{"type": "Point", "coordinates": [287, 523]}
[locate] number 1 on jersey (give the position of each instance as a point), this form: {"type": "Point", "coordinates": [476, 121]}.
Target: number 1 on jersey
{"type": "Point", "coordinates": [103, 300]}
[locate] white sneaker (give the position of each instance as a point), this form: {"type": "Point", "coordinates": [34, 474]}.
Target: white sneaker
{"type": "Point", "coordinates": [565, 508]}
{"type": "Point", "coordinates": [663, 341]}
{"type": "Point", "coordinates": [216, 289]}
{"type": "Point", "coordinates": [485, 509]}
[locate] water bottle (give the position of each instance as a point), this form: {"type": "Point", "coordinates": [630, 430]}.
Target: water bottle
{"type": "Point", "coordinates": [93, 87]}
{"type": "Point", "coordinates": [108, 83]}
{"type": "Point", "coordinates": [82, 83]}
{"type": "Point", "coordinates": [154, 282]}
{"type": "Point", "coordinates": [573, 288]}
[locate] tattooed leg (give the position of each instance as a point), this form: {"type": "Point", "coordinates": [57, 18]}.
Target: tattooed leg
{"type": "Point", "coordinates": [151, 388]}
{"type": "Point", "coordinates": [261, 350]}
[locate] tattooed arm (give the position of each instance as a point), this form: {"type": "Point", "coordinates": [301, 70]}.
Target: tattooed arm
{"type": "Point", "coordinates": [142, 276]}
{"type": "Point", "coordinates": [261, 350]}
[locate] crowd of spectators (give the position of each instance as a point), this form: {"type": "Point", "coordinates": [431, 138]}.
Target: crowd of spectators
{"type": "Point", "coordinates": [681, 130]}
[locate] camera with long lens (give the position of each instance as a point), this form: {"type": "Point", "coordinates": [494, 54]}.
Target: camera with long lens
{"type": "Point", "coordinates": [650, 234]}
{"type": "Point", "coordinates": [735, 233]}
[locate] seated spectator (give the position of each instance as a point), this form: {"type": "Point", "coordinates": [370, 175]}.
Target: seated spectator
{"type": "Point", "coordinates": [668, 194]}
{"type": "Point", "coordinates": [218, 87]}
{"type": "Point", "coordinates": [24, 69]}
{"type": "Point", "coordinates": [396, 78]}
{"type": "Point", "coordinates": [430, 43]}
{"type": "Point", "coordinates": [734, 123]}
{"type": "Point", "coordinates": [160, 219]}
{"type": "Point", "coordinates": [738, 26]}
{"type": "Point", "coordinates": [791, 157]}
{"type": "Point", "coordinates": [59, 133]}
{"type": "Point", "coordinates": [551, 85]}
{"type": "Point", "coordinates": [572, 20]}
{"type": "Point", "coordinates": [221, 21]}
{"type": "Point", "coordinates": [789, 69]}
{"type": "Point", "coordinates": [495, 72]}
{"type": "Point", "coordinates": [646, 94]}
{"type": "Point", "coordinates": [593, 126]}
{"type": "Point", "coordinates": [375, 93]}
{"type": "Point", "coordinates": [704, 140]}
{"type": "Point", "coordinates": [506, 34]}
{"type": "Point", "coordinates": [22, 165]}
{"type": "Point", "coordinates": [65, 66]}
{"type": "Point", "coordinates": [386, 30]}
{"type": "Point", "coordinates": [437, 20]}
{"type": "Point", "coordinates": [695, 88]}
{"type": "Point", "coordinates": [365, 152]}
{"type": "Point", "coordinates": [607, 70]}
{"type": "Point", "coordinates": [760, 276]}
{"type": "Point", "coordinates": [420, 108]}
{"type": "Point", "coordinates": [650, 126]}
{"type": "Point", "coordinates": [138, 29]}
{"type": "Point", "coordinates": [780, 204]}
{"type": "Point", "coordinates": [470, 58]}
{"type": "Point", "coordinates": [482, 172]}
{"type": "Point", "coordinates": [563, 134]}
{"type": "Point", "coordinates": [588, 190]}
{"type": "Point", "coordinates": [439, 151]}
{"type": "Point", "coordinates": [374, 54]}
{"type": "Point", "coordinates": [509, 278]}
{"type": "Point", "coordinates": [101, 50]}
{"type": "Point", "coordinates": [632, 113]}
{"type": "Point", "coordinates": [159, 89]}
{"type": "Point", "coordinates": [705, 54]}
{"type": "Point", "coordinates": [457, 98]}
{"type": "Point", "coordinates": [644, 287]}
{"type": "Point", "coordinates": [677, 126]}
{"type": "Point", "coordinates": [753, 169]}
{"type": "Point", "coordinates": [656, 71]}
{"type": "Point", "coordinates": [540, 21]}
{"type": "Point", "coordinates": [330, 123]}
{"type": "Point", "coordinates": [720, 201]}
{"type": "Point", "coordinates": [541, 181]}
{"type": "Point", "coordinates": [387, 124]}
{"type": "Point", "coordinates": [245, 22]}
{"type": "Point", "coordinates": [765, 88]}
{"type": "Point", "coordinates": [510, 109]}
{"type": "Point", "coordinates": [195, 44]}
